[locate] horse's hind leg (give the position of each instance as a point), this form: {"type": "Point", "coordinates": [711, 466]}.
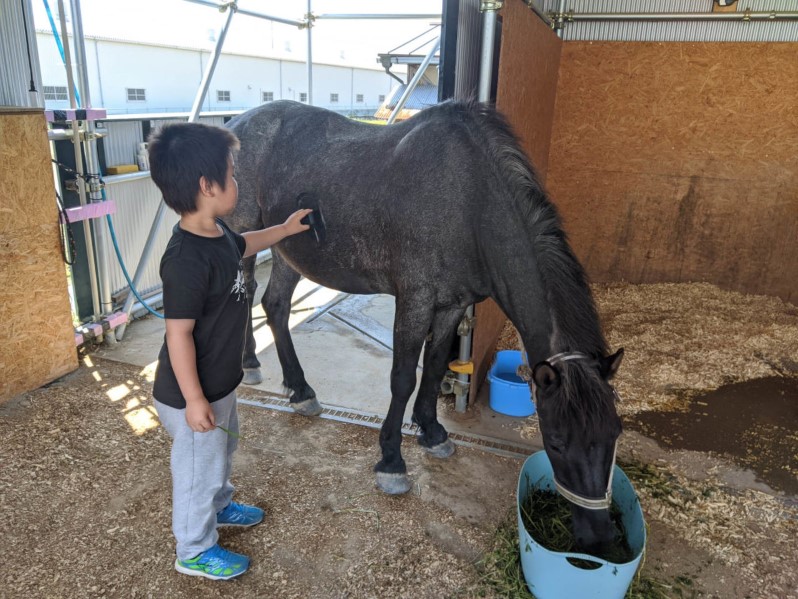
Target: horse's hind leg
{"type": "Point", "coordinates": [252, 374]}
{"type": "Point", "coordinates": [277, 304]}
{"type": "Point", "coordinates": [411, 324]}
{"type": "Point", "coordinates": [434, 438]}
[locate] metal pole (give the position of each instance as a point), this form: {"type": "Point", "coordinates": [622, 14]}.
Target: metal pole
{"type": "Point", "coordinates": [156, 223]}
{"type": "Point", "coordinates": [309, 18]}
{"type": "Point", "coordinates": [534, 8]}
{"type": "Point", "coordinates": [249, 13]}
{"type": "Point", "coordinates": [558, 21]}
{"type": "Point", "coordinates": [379, 16]}
{"type": "Point", "coordinates": [414, 82]}
{"type": "Point", "coordinates": [489, 10]}
{"type": "Point", "coordinates": [95, 300]}
{"type": "Point", "coordinates": [211, 66]}
{"type": "Point", "coordinates": [142, 265]}
{"type": "Point", "coordinates": [486, 54]}
{"type": "Point", "coordinates": [92, 164]}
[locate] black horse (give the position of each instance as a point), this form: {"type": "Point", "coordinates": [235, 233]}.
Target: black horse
{"type": "Point", "coordinates": [441, 211]}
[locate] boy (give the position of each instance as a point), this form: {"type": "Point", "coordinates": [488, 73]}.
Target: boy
{"type": "Point", "coordinates": [206, 311]}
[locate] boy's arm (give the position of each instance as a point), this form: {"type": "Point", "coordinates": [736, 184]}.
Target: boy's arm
{"type": "Point", "coordinates": [257, 241]}
{"type": "Point", "coordinates": [183, 356]}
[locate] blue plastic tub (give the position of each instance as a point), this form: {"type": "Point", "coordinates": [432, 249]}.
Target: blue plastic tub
{"type": "Point", "coordinates": [549, 574]}
{"type": "Point", "coordinates": [509, 393]}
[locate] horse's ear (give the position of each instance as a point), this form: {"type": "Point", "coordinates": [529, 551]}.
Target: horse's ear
{"type": "Point", "coordinates": [545, 375]}
{"type": "Point", "coordinates": [609, 365]}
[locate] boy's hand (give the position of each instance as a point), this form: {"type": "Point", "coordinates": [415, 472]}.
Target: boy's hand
{"type": "Point", "coordinates": [292, 226]}
{"type": "Point", "coordinates": [200, 416]}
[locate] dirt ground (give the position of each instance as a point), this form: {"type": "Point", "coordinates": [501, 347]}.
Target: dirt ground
{"type": "Point", "coordinates": [85, 487]}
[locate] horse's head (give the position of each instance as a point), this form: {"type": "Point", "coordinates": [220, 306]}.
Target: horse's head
{"type": "Point", "coordinates": [580, 426]}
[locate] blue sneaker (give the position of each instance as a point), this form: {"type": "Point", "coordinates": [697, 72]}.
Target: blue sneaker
{"type": "Point", "coordinates": [214, 563]}
{"type": "Point", "coordinates": [239, 514]}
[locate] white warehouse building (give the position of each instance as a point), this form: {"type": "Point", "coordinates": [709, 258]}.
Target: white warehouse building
{"type": "Point", "coordinates": [131, 77]}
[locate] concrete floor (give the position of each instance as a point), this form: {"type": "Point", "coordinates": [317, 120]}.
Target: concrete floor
{"type": "Point", "coordinates": [345, 344]}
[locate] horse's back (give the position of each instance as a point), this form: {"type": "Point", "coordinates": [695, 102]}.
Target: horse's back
{"type": "Point", "coordinates": [401, 203]}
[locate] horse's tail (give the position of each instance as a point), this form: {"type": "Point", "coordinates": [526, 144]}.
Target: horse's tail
{"type": "Point", "coordinates": [562, 274]}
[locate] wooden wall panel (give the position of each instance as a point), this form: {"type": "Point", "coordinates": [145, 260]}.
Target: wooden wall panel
{"type": "Point", "coordinates": [528, 68]}
{"type": "Point", "coordinates": [528, 73]}
{"type": "Point", "coordinates": [679, 162]}
{"type": "Point", "coordinates": [37, 342]}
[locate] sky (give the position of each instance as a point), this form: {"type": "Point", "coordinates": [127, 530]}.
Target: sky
{"type": "Point", "coordinates": [183, 23]}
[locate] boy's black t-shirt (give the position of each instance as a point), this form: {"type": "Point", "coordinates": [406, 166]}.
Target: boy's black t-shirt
{"type": "Point", "coordinates": [203, 280]}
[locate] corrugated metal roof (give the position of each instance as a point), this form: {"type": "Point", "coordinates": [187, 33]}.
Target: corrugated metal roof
{"type": "Point", "coordinates": [675, 31]}
{"type": "Point", "coordinates": [16, 78]}
{"type": "Point", "coordinates": [422, 97]}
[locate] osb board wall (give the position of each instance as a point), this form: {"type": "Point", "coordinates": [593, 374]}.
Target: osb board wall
{"type": "Point", "coordinates": [37, 342]}
{"type": "Point", "coordinates": [528, 68]}
{"type": "Point", "coordinates": [679, 162]}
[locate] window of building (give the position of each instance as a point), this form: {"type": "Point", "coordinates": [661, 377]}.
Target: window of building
{"type": "Point", "coordinates": [222, 95]}
{"type": "Point", "coordinates": [55, 92]}
{"type": "Point", "coordinates": [136, 94]}
{"type": "Point", "coordinates": [333, 98]}
{"type": "Point", "coordinates": [303, 97]}
{"type": "Point", "coordinates": [381, 98]}
{"type": "Point", "coordinates": [359, 98]}
{"type": "Point", "coordinates": [267, 96]}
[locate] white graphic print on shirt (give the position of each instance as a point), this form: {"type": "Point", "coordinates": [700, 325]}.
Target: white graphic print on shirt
{"type": "Point", "coordinates": [239, 288]}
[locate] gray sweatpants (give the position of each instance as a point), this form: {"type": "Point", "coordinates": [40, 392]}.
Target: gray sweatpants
{"type": "Point", "coordinates": [201, 464]}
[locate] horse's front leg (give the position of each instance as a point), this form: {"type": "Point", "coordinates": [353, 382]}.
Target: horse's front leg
{"type": "Point", "coordinates": [277, 305]}
{"type": "Point", "coordinates": [434, 438]}
{"type": "Point", "coordinates": [411, 324]}
{"type": "Point", "coordinates": [252, 374]}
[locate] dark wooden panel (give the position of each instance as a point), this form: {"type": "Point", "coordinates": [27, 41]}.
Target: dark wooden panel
{"type": "Point", "coordinates": [528, 71]}
{"type": "Point", "coordinates": [528, 67]}
{"type": "Point", "coordinates": [679, 162]}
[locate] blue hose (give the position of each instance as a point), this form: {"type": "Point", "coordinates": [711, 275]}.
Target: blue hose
{"type": "Point", "coordinates": [59, 44]}
{"type": "Point", "coordinates": [122, 264]}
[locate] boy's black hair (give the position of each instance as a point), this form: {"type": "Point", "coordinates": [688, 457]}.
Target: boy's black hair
{"type": "Point", "coordinates": [181, 153]}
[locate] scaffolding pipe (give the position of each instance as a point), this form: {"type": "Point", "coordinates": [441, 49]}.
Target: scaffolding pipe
{"type": "Point", "coordinates": [90, 256]}
{"type": "Point", "coordinates": [378, 16]}
{"type": "Point", "coordinates": [542, 15]}
{"type": "Point", "coordinates": [156, 223]}
{"type": "Point", "coordinates": [558, 20]}
{"type": "Point", "coordinates": [92, 164]}
{"type": "Point", "coordinates": [414, 81]}
{"type": "Point", "coordinates": [309, 17]}
{"type": "Point", "coordinates": [211, 66]}
{"type": "Point", "coordinates": [249, 13]}
{"type": "Point", "coordinates": [464, 356]}
{"type": "Point", "coordinates": [486, 54]}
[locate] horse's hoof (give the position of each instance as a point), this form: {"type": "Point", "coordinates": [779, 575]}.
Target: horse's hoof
{"type": "Point", "coordinates": [252, 376]}
{"type": "Point", "coordinates": [309, 407]}
{"type": "Point", "coordinates": [393, 483]}
{"type": "Point", "coordinates": [441, 450]}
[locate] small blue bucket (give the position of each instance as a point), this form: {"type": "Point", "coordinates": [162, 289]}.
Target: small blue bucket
{"type": "Point", "coordinates": [509, 393]}
{"type": "Point", "coordinates": [549, 574]}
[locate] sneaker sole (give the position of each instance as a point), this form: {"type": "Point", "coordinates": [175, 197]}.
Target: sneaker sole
{"type": "Point", "coordinates": [190, 572]}
{"type": "Point", "coordinates": [233, 525]}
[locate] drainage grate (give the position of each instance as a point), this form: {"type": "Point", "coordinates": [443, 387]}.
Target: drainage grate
{"type": "Point", "coordinates": [497, 446]}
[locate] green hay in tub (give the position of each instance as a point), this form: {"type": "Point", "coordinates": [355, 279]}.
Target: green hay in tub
{"type": "Point", "coordinates": [501, 574]}
{"type": "Point", "coordinates": [547, 518]}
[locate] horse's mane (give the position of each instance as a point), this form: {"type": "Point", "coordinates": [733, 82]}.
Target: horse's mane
{"type": "Point", "coordinates": [574, 315]}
